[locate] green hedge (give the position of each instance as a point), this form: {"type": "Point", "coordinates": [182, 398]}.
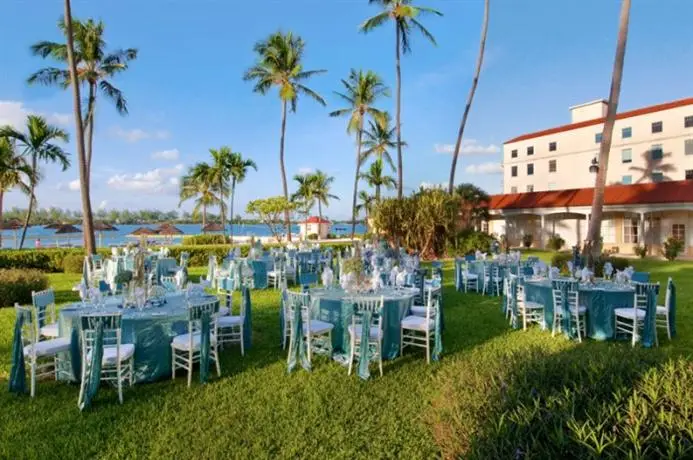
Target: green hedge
{"type": "Point", "coordinates": [560, 260]}
{"type": "Point", "coordinates": [17, 285]}
{"type": "Point", "coordinates": [73, 263]}
{"type": "Point", "coordinates": [195, 240]}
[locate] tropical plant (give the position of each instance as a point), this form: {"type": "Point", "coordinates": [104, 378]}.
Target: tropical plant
{"type": "Point", "coordinates": [366, 202]}
{"type": "Point", "coordinates": [95, 67]}
{"type": "Point", "coordinates": [14, 173]}
{"type": "Point", "coordinates": [592, 248]}
{"type": "Point", "coordinates": [378, 139]}
{"type": "Point", "coordinates": [304, 197]}
{"type": "Point", "coordinates": [238, 168]}
{"type": "Point", "coordinates": [470, 97]}
{"type": "Point", "coordinates": [555, 242]}
{"type": "Point", "coordinates": [221, 172]}
{"type": "Point", "coordinates": [527, 240]}
{"type": "Point", "coordinates": [362, 90]}
{"type": "Point", "coordinates": [474, 203]}
{"type": "Point", "coordinates": [641, 250]}
{"type": "Point", "coordinates": [280, 63]}
{"type": "Point", "coordinates": [405, 18]}
{"type": "Point", "coordinates": [376, 179]}
{"type": "Point", "coordinates": [199, 183]}
{"type": "Point", "coordinates": [321, 190]}
{"type": "Point", "coordinates": [269, 211]}
{"type": "Point", "coordinates": [37, 146]}
{"type": "Point", "coordinates": [672, 248]}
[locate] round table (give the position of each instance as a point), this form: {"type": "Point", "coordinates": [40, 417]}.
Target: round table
{"type": "Point", "coordinates": [151, 331]}
{"type": "Point", "coordinates": [600, 299]}
{"type": "Point", "coordinates": [334, 306]}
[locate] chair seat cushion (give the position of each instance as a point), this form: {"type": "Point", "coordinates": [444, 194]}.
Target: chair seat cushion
{"type": "Point", "coordinates": [661, 310]}
{"type": "Point", "coordinates": [418, 310]}
{"type": "Point", "coordinates": [630, 313]}
{"type": "Point", "coordinates": [223, 311]}
{"type": "Point", "coordinates": [533, 306]}
{"type": "Point", "coordinates": [418, 323]}
{"type": "Point", "coordinates": [228, 321]}
{"type": "Point", "coordinates": [471, 276]}
{"type": "Point", "coordinates": [319, 327]}
{"type": "Point", "coordinates": [48, 347]}
{"type": "Point", "coordinates": [376, 333]}
{"type": "Point", "coordinates": [110, 357]}
{"type": "Point", "coordinates": [181, 342]}
{"type": "Point", "coordinates": [50, 330]}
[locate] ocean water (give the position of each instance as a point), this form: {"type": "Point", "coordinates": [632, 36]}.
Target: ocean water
{"type": "Point", "coordinates": [48, 238]}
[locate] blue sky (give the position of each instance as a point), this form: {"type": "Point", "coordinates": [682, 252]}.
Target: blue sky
{"type": "Point", "coordinates": [186, 93]}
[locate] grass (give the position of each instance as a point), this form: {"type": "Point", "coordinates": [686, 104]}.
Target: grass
{"type": "Point", "coordinates": [496, 393]}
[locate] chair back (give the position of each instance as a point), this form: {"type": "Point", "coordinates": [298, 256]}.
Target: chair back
{"type": "Point", "coordinates": [641, 290]}
{"type": "Point", "coordinates": [30, 333]}
{"type": "Point", "coordinates": [96, 262]}
{"type": "Point", "coordinates": [111, 326]}
{"type": "Point", "coordinates": [487, 270]}
{"type": "Point", "coordinates": [184, 258]}
{"type": "Point", "coordinates": [44, 304]}
{"type": "Point", "coordinates": [300, 300]}
{"type": "Point", "coordinates": [197, 308]}
{"type": "Point", "coordinates": [374, 305]}
{"type": "Point", "coordinates": [170, 283]}
{"type": "Point", "coordinates": [667, 299]}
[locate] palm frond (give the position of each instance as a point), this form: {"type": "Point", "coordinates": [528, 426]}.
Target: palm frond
{"type": "Point", "coordinates": [305, 90]}
{"type": "Point", "coordinates": [417, 25]}
{"type": "Point", "coordinates": [115, 95]}
{"type": "Point", "coordinates": [374, 22]}
{"type": "Point", "coordinates": [50, 76]}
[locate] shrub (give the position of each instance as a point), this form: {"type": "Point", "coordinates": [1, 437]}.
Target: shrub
{"type": "Point", "coordinates": [195, 240]}
{"type": "Point", "coordinates": [640, 251]}
{"type": "Point", "coordinates": [672, 248]}
{"type": "Point", "coordinates": [73, 263]}
{"type": "Point", "coordinates": [17, 285]}
{"type": "Point", "coordinates": [312, 236]}
{"type": "Point", "coordinates": [560, 260]}
{"type": "Point", "coordinates": [527, 240]}
{"type": "Point", "coordinates": [555, 242]}
{"type": "Point", "coordinates": [469, 241]}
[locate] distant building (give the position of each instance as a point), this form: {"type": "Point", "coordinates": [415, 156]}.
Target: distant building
{"type": "Point", "coordinates": [314, 226]}
{"type": "Point", "coordinates": [649, 197]}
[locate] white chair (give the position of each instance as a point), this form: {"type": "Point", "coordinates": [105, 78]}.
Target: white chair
{"type": "Point", "coordinates": [44, 304]}
{"type": "Point", "coordinates": [185, 348]}
{"type": "Point", "coordinates": [419, 331]}
{"type": "Point", "coordinates": [286, 327]}
{"type": "Point", "coordinates": [43, 357]}
{"type": "Point", "coordinates": [632, 320]}
{"type": "Point", "coordinates": [375, 335]}
{"type": "Point", "coordinates": [230, 327]}
{"type": "Point", "coordinates": [420, 310]}
{"type": "Point", "coordinates": [290, 272]}
{"type": "Point", "coordinates": [531, 312]}
{"type": "Point", "coordinates": [277, 274]}
{"type": "Point", "coordinates": [469, 280]}
{"type": "Point", "coordinates": [170, 283]}
{"type": "Point", "coordinates": [118, 361]}
{"type": "Point", "coordinates": [663, 312]}
{"type": "Point", "coordinates": [317, 334]}
{"type": "Point", "coordinates": [508, 299]}
{"type": "Point", "coordinates": [577, 312]}
{"type": "Point", "coordinates": [492, 278]}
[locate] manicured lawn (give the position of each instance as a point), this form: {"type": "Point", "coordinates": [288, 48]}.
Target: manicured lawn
{"type": "Point", "coordinates": [497, 393]}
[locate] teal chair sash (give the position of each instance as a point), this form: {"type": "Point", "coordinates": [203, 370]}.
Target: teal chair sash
{"type": "Point", "coordinates": [671, 288]}
{"type": "Point", "coordinates": [297, 350]}
{"type": "Point", "coordinates": [17, 383]}
{"type": "Point", "coordinates": [93, 374]}
{"type": "Point", "coordinates": [650, 329]}
{"type": "Point", "coordinates": [247, 319]}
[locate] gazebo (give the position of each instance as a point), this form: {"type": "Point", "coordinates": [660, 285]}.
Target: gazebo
{"type": "Point", "coordinates": [66, 229]}
{"type": "Point", "coordinates": [103, 227]}
{"type": "Point", "coordinates": [168, 230]}
{"type": "Point", "coordinates": [212, 227]}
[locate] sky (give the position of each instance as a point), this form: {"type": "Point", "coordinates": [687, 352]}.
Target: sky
{"type": "Point", "coordinates": [186, 94]}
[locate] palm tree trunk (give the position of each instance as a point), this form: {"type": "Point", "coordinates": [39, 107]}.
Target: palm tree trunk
{"type": "Point", "coordinates": [593, 248]}
{"type": "Point", "coordinates": [470, 98]}
{"type": "Point", "coordinates": [233, 195]}
{"type": "Point", "coordinates": [31, 199]}
{"type": "Point", "coordinates": [222, 206]}
{"type": "Point", "coordinates": [377, 193]}
{"type": "Point", "coordinates": [356, 178]}
{"type": "Point", "coordinates": [319, 216]}
{"type": "Point", "coordinates": [2, 197]}
{"type": "Point", "coordinates": [87, 219]}
{"type": "Point", "coordinates": [90, 127]}
{"type": "Point", "coordinates": [204, 215]}
{"type": "Point", "coordinates": [287, 219]}
{"type": "Point", "coordinates": [398, 111]}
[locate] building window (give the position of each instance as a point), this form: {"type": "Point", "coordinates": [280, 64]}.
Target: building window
{"type": "Point", "coordinates": [689, 174]}
{"type": "Point", "coordinates": [484, 226]}
{"type": "Point", "coordinates": [608, 231]}
{"type": "Point", "coordinates": [552, 166]}
{"type": "Point", "coordinates": [530, 169]}
{"type": "Point", "coordinates": [688, 146]}
{"type": "Point", "coordinates": [513, 171]}
{"type": "Point", "coordinates": [552, 146]}
{"type": "Point", "coordinates": [513, 189]}
{"type": "Point", "coordinates": [630, 231]}
{"type": "Point", "coordinates": [552, 186]}
{"type": "Point", "coordinates": [678, 231]}
{"type": "Point", "coordinates": [530, 188]}
{"type": "Point", "coordinates": [626, 155]}
{"type": "Point", "coordinates": [597, 138]}
{"type": "Point", "coordinates": [626, 132]}
{"type": "Point", "coordinates": [657, 127]}
{"type": "Point", "coordinates": [656, 152]}
{"type": "Point", "coordinates": [657, 176]}
{"type": "Point", "coordinates": [627, 180]}
{"type": "Point", "coordinates": [688, 122]}
{"type": "Point", "coordinates": [513, 153]}
{"type": "Point", "coordinates": [530, 150]}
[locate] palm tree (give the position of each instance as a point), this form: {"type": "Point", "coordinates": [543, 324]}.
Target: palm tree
{"type": "Point", "coordinates": [12, 168]}
{"type": "Point", "coordinates": [474, 203]}
{"type": "Point", "coordinates": [304, 195]}
{"type": "Point", "coordinates": [378, 140]}
{"type": "Point", "coordinates": [220, 172]}
{"type": "Point", "coordinates": [37, 144]}
{"type": "Point", "coordinates": [592, 248]}
{"type": "Point", "coordinates": [362, 91]}
{"type": "Point", "coordinates": [94, 66]}
{"type": "Point", "coordinates": [199, 183]}
{"type": "Point", "coordinates": [366, 202]}
{"type": "Point", "coordinates": [470, 98]}
{"type": "Point", "coordinates": [321, 190]}
{"type": "Point", "coordinates": [404, 15]}
{"type": "Point", "coordinates": [238, 168]}
{"type": "Point", "coordinates": [375, 178]}
{"type": "Point", "coordinates": [279, 63]}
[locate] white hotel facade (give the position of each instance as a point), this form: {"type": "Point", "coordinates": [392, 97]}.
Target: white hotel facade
{"type": "Point", "coordinates": [548, 188]}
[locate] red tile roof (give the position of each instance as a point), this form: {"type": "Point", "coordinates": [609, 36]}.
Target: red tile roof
{"type": "Point", "coordinates": [650, 193]}
{"type": "Point", "coordinates": [596, 121]}
{"type": "Point", "coordinates": [315, 220]}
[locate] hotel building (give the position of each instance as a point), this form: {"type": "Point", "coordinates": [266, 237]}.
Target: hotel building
{"type": "Point", "coordinates": [548, 187]}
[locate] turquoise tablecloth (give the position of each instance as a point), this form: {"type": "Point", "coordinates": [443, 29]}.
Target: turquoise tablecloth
{"type": "Point", "coordinates": [600, 301]}
{"type": "Point", "coordinates": [331, 306]}
{"type": "Point", "coordinates": [151, 331]}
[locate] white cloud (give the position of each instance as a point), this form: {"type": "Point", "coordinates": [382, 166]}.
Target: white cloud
{"type": "Point", "coordinates": [14, 113]}
{"type": "Point", "coordinates": [72, 186]}
{"type": "Point", "coordinates": [103, 204]}
{"type": "Point", "coordinates": [306, 170]}
{"type": "Point", "coordinates": [484, 168]}
{"type": "Point", "coordinates": [156, 181]}
{"type": "Point", "coordinates": [168, 155]}
{"type": "Point", "coordinates": [468, 147]}
{"type": "Point", "coordinates": [136, 135]}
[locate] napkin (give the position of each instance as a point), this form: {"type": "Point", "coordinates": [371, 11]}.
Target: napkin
{"type": "Point", "coordinates": [608, 269]}
{"type": "Point", "coordinates": [393, 275]}
{"type": "Point", "coordinates": [327, 277]}
{"type": "Point", "coordinates": [585, 275]}
{"type": "Point", "coordinates": [376, 280]}
{"type": "Point", "coordinates": [401, 279]}
{"type": "Point", "coordinates": [571, 267]}
{"type": "Point", "coordinates": [554, 273]}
